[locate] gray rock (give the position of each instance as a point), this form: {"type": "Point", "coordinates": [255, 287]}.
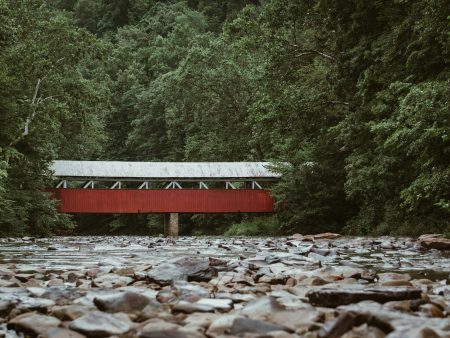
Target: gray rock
{"type": "Point", "coordinates": [33, 324]}
{"type": "Point", "coordinates": [337, 327]}
{"type": "Point", "coordinates": [62, 295]}
{"type": "Point", "coordinates": [216, 304]}
{"type": "Point", "coordinates": [70, 312]}
{"type": "Point", "coordinates": [186, 268]}
{"type": "Point", "coordinates": [121, 302]}
{"type": "Point", "coordinates": [244, 325]}
{"type": "Point", "coordinates": [101, 324]}
{"type": "Point", "coordinates": [111, 280]}
{"type": "Point", "coordinates": [334, 297]}
{"type": "Point", "coordinates": [187, 307]}
{"type": "Point", "coordinates": [59, 332]}
{"type": "Point", "coordinates": [160, 329]}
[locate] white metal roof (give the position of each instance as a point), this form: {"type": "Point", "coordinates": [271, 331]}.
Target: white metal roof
{"type": "Point", "coordinates": [163, 170]}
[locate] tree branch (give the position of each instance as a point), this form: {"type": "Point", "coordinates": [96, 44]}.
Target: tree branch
{"type": "Point", "coordinates": [305, 52]}
{"type": "Point", "coordinates": [35, 101]}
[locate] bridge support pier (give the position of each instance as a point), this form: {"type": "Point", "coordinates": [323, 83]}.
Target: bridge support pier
{"type": "Point", "coordinates": [171, 224]}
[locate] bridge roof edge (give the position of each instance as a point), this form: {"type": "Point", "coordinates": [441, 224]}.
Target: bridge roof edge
{"type": "Point", "coordinates": [161, 170]}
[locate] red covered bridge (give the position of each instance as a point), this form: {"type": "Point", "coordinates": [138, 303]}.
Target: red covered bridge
{"type": "Point", "coordinates": [163, 187]}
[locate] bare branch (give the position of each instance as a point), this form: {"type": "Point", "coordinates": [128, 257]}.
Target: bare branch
{"type": "Point", "coordinates": [339, 102]}
{"type": "Point", "coordinates": [35, 101]}
{"type": "Point", "coordinates": [313, 51]}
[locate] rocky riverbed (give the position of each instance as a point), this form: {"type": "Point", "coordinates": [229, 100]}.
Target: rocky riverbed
{"type": "Point", "coordinates": [325, 286]}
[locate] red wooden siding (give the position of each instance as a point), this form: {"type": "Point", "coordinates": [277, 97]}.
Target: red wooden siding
{"type": "Point", "coordinates": [162, 201]}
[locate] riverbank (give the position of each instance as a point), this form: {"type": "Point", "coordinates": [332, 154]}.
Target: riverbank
{"type": "Point", "coordinates": [323, 286]}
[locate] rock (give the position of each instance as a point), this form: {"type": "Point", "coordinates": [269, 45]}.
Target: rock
{"type": "Point", "coordinates": [334, 297]}
{"type": "Point", "coordinates": [33, 324]}
{"type": "Point", "coordinates": [364, 331]}
{"type": "Point", "coordinates": [296, 319]}
{"type": "Point", "coordinates": [186, 268]}
{"type": "Point", "coordinates": [397, 283]}
{"type": "Point", "coordinates": [392, 276]}
{"type": "Point", "coordinates": [70, 312]}
{"type": "Point", "coordinates": [262, 307]}
{"type": "Point", "coordinates": [313, 281]}
{"type": "Point", "coordinates": [397, 324]}
{"type": "Point", "coordinates": [188, 291]}
{"type": "Point", "coordinates": [439, 243]}
{"type": "Point", "coordinates": [161, 329]}
{"type": "Point", "coordinates": [243, 325]}
{"type": "Point", "coordinates": [62, 295]}
{"type": "Point", "coordinates": [200, 321]}
{"type": "Point", "coordinates": [101, 324]}
{"type": "Point", "coordinates": [34, 304]}
{"type": "Point", "coordinates": [187, 307]}
{"type": "Point", "coordinates": [111, 280]}
{"type": "Point", "coordinates": [221, 325]}
{"type": "Point", "coordinates": [431, 310]}
{"type": "Point", "coordinates": [420, 332]}
{"type": "Point", "coordinates": [337, 327]}
{"type": "Point", "coordinates": [121, 302]}
{"type": "Point", "coordinates": [152, 310]}
{"type": "Point", "coordinates": [297, 237]}
{"type": "Point", "coordinates": [55, 282]}
{"type": "Point", "coordinates": [58, 332]}
{"type": "Point", "coordinates": [216, 304]}
{"type": "Point", "coordinates": [327, 235]}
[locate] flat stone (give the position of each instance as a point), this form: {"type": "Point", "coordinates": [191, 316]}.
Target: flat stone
{"type": "Point", "coordinates": [217, 304]}
{"type": "Point", "coordinates": [296, 319]}
{"type": "Point", "coordinates": [162, 329]}
{"type": "Point", "coordinates": [262, 307]}
{"type": "Point", "coordinates": [111, 280]}
{"type": "Point", "coordinates": [431, 310]}
{"type": "Point", "coordinates": [418, 332]}
{"type": "Point", "coordinates": [121, 302]}
{"type": "Point", "coordinates": [100, 324]}
{"type": "Point", "coordinates": [439, 243]}
{"type": "Point", "coordinates": [187, 307]}
{"type": "Point", "coordinates": [243, 325]}
{"type": "Point", "coordinates": [398, 324]}
{"type": "Point", "coordinates": [33, 324]}
{"type": "Point", "coordinates": [364, 331]}
{"type": "Point", "coordinates": [70, 312]}
{"type": "Point", "coordinates": [334, 297]}
{"type": "Point", "coordinates": [327, 235]}
{"type": "Point", "coordinates": [34, 304]}
{"type": "Point", "coordinates": [337, 327]}
{"type": "Point", "coordinates": [59, 332]}
{"type": "Point", "coordinates": [186, 268]}
{"type": "Point", "coordinates": [221, 325]}
{"type": "Point", "coordinates": [393, 276]}
{"type": "Point", "coordinates": [62, 295]}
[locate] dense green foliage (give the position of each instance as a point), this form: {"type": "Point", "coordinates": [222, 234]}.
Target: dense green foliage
{"type": "Point", "coordinates": [353, 94]}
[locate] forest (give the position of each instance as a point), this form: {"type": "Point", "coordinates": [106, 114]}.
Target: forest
{"type": "Point", "coordinates": [354, 95]}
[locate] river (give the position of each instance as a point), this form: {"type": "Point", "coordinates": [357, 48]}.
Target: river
{"type": "Point", "coordinates": [209, 286]}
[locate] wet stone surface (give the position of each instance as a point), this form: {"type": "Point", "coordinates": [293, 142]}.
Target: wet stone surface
{"type": "Point", "coordinates": [322, 286]}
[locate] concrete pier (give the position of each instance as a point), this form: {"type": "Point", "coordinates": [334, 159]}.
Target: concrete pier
{"type": "Point", "coordinates": [171, 224]}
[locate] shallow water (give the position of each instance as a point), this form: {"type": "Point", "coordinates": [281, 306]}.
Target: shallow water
{"type": "Point", "coordinates": [383, 254]}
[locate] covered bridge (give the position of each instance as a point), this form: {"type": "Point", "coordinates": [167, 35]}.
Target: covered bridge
{"type": "Point", "coordinates": [163, 187]}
